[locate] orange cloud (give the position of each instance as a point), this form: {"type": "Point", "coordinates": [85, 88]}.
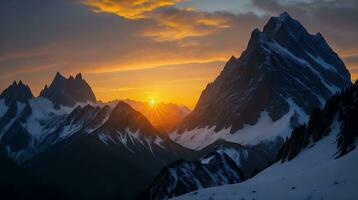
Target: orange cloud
{"type": "Point", "coordinates": [131, 9]}
{"type": "Point", "coordinates": [171, 23]}
{"type": "Point", "coordinates": [176, 24]}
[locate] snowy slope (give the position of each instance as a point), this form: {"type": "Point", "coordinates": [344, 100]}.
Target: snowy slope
{"type": "Point", "coordinates": [264, 130]}
{"type": "Point", "coordinates": [37, 124]}
{"type": "Point", "coordinates": [313, 174]}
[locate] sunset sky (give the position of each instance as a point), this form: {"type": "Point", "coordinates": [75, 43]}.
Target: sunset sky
{"type": "Point", "coordinates": [166, 50]}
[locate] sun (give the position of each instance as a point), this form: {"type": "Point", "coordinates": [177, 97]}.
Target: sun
{"type": "Point", "coordinates": [152, 102]}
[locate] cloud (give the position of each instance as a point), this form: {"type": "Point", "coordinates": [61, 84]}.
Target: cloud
{"type": "Point", "coordinates": [171, 23]}
{"type": "Point", "coordinates": [131, 9]}
{"type": "Point", "coordinates": [40, 37]}
{"type": "Point", "coordinates": [177, 24]}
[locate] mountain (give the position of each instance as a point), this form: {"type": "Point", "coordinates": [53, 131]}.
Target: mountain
{"type": "Point", "coordinates": [256, 101]}
{"type": "Point", "coordinates": [68, 91]}
{"type": "Point", "coordinates": [228, 163]}
{"type": "Point", "coordinates": [283, 74]}
{"type": "Point", "coordinates": [105, 161]}
{"type": "Point", "coordinates": [318, 161]}
{"type": "Point", "coordinates": [16, 92]}
{"type": "Point", "coordinates": [27, 128]}
{"type": "Point", "coordinates": [86, 151]}
{"type": "Point", "coordinates": [163, 116]}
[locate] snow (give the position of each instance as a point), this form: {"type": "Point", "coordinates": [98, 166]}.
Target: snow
{"type": "Point", "coordinates": [69, 130]}
{"type": "Point", "coordinates": [313, 174]}
{"type": "Point", "coordinates": [285, 52]}
{"type": "Point", "coordinates": [322, 62]}
{"type": "Point", "coordinates": [303, 116]}
{"type": "Point", "coordinates": [206, 161]}
{"type": "Point", "coordinates": [129, 138]}
{"type": "Point", "coordinates": [234, 154]}
{"type": "Point", "coordinates": [42, 109]}
{"type": "Point", "coordinates": [264, 130]}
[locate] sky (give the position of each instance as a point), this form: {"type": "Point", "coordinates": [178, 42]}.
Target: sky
{"type": "Point", "coordinates": [167, 50]}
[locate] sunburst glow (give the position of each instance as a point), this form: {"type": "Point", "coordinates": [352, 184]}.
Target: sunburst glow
{"type": "Point", "coordinates": [152, 102]}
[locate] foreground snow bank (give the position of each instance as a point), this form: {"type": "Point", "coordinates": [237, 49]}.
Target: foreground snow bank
{"type": "Point", "coordinates": [313, 174]}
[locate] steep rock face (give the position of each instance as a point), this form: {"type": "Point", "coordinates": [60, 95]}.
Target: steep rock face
{"type": "Point", "coordinates": [16, 138]}
{"type": "Point", "coordinates": [343, 108]}
{"type": "Point", "coordinates": [69, 91]}
{"type": "Point", "coordinates": [283, 68]}
{"type": "Point", "coordinates": [16, 92]}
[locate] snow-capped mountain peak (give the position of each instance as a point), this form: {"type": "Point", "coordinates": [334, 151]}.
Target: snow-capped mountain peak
{"type": "Point", "coordinates": [284, 70]}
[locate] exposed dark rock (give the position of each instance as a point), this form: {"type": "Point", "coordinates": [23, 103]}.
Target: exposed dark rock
{"type": "Point", "coordinates": [26, 112]}
{"type": "Point", "coordinates": [16, 137]}
{"type": "Point", "coordinates": [343, 106]}
{"type": "Point", "coordinates": [10, 114]}
{"type": "Point", "coordinates": [16, 92]}
{"type": "Point", "coordinates": [69, 91]}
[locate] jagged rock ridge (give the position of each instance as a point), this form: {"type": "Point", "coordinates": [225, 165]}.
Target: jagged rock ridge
{"type": "Point", "coordinates": [69, 91]}
{"type": "Point", "coordinates": [16, 92]}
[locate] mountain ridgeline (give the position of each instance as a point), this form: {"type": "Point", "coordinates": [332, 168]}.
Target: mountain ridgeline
{"type": "Point", "coordinates": [68, 91]}
{"type": "Point", "coordinates": [68, 144]}
{"type": "Point", "coordinates": [16, 92]}
{"type": "Point", "coordinates": [83, 151]}
{"type": "Point", "coordinates": [283, 67]}
{"type": "Point", "coordinates": [285, 72]}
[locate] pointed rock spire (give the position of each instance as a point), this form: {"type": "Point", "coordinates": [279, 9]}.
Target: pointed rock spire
{"type": "Point", "coordinates": [69, 91]}
{"type": "Point", "coordinates": [16, 92]}
{"type": "Point", "coordinates": [78, 76]}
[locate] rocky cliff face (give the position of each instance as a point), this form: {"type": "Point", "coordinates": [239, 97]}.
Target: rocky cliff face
{"type": "Point", "coordinates": [16, 92]}
{"type": "Point", "coordinates": [341, 108]}
{"type": "Point", "coordinates": [284, 69]}
{"type": "Point", "coordinates": [68, 92]}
